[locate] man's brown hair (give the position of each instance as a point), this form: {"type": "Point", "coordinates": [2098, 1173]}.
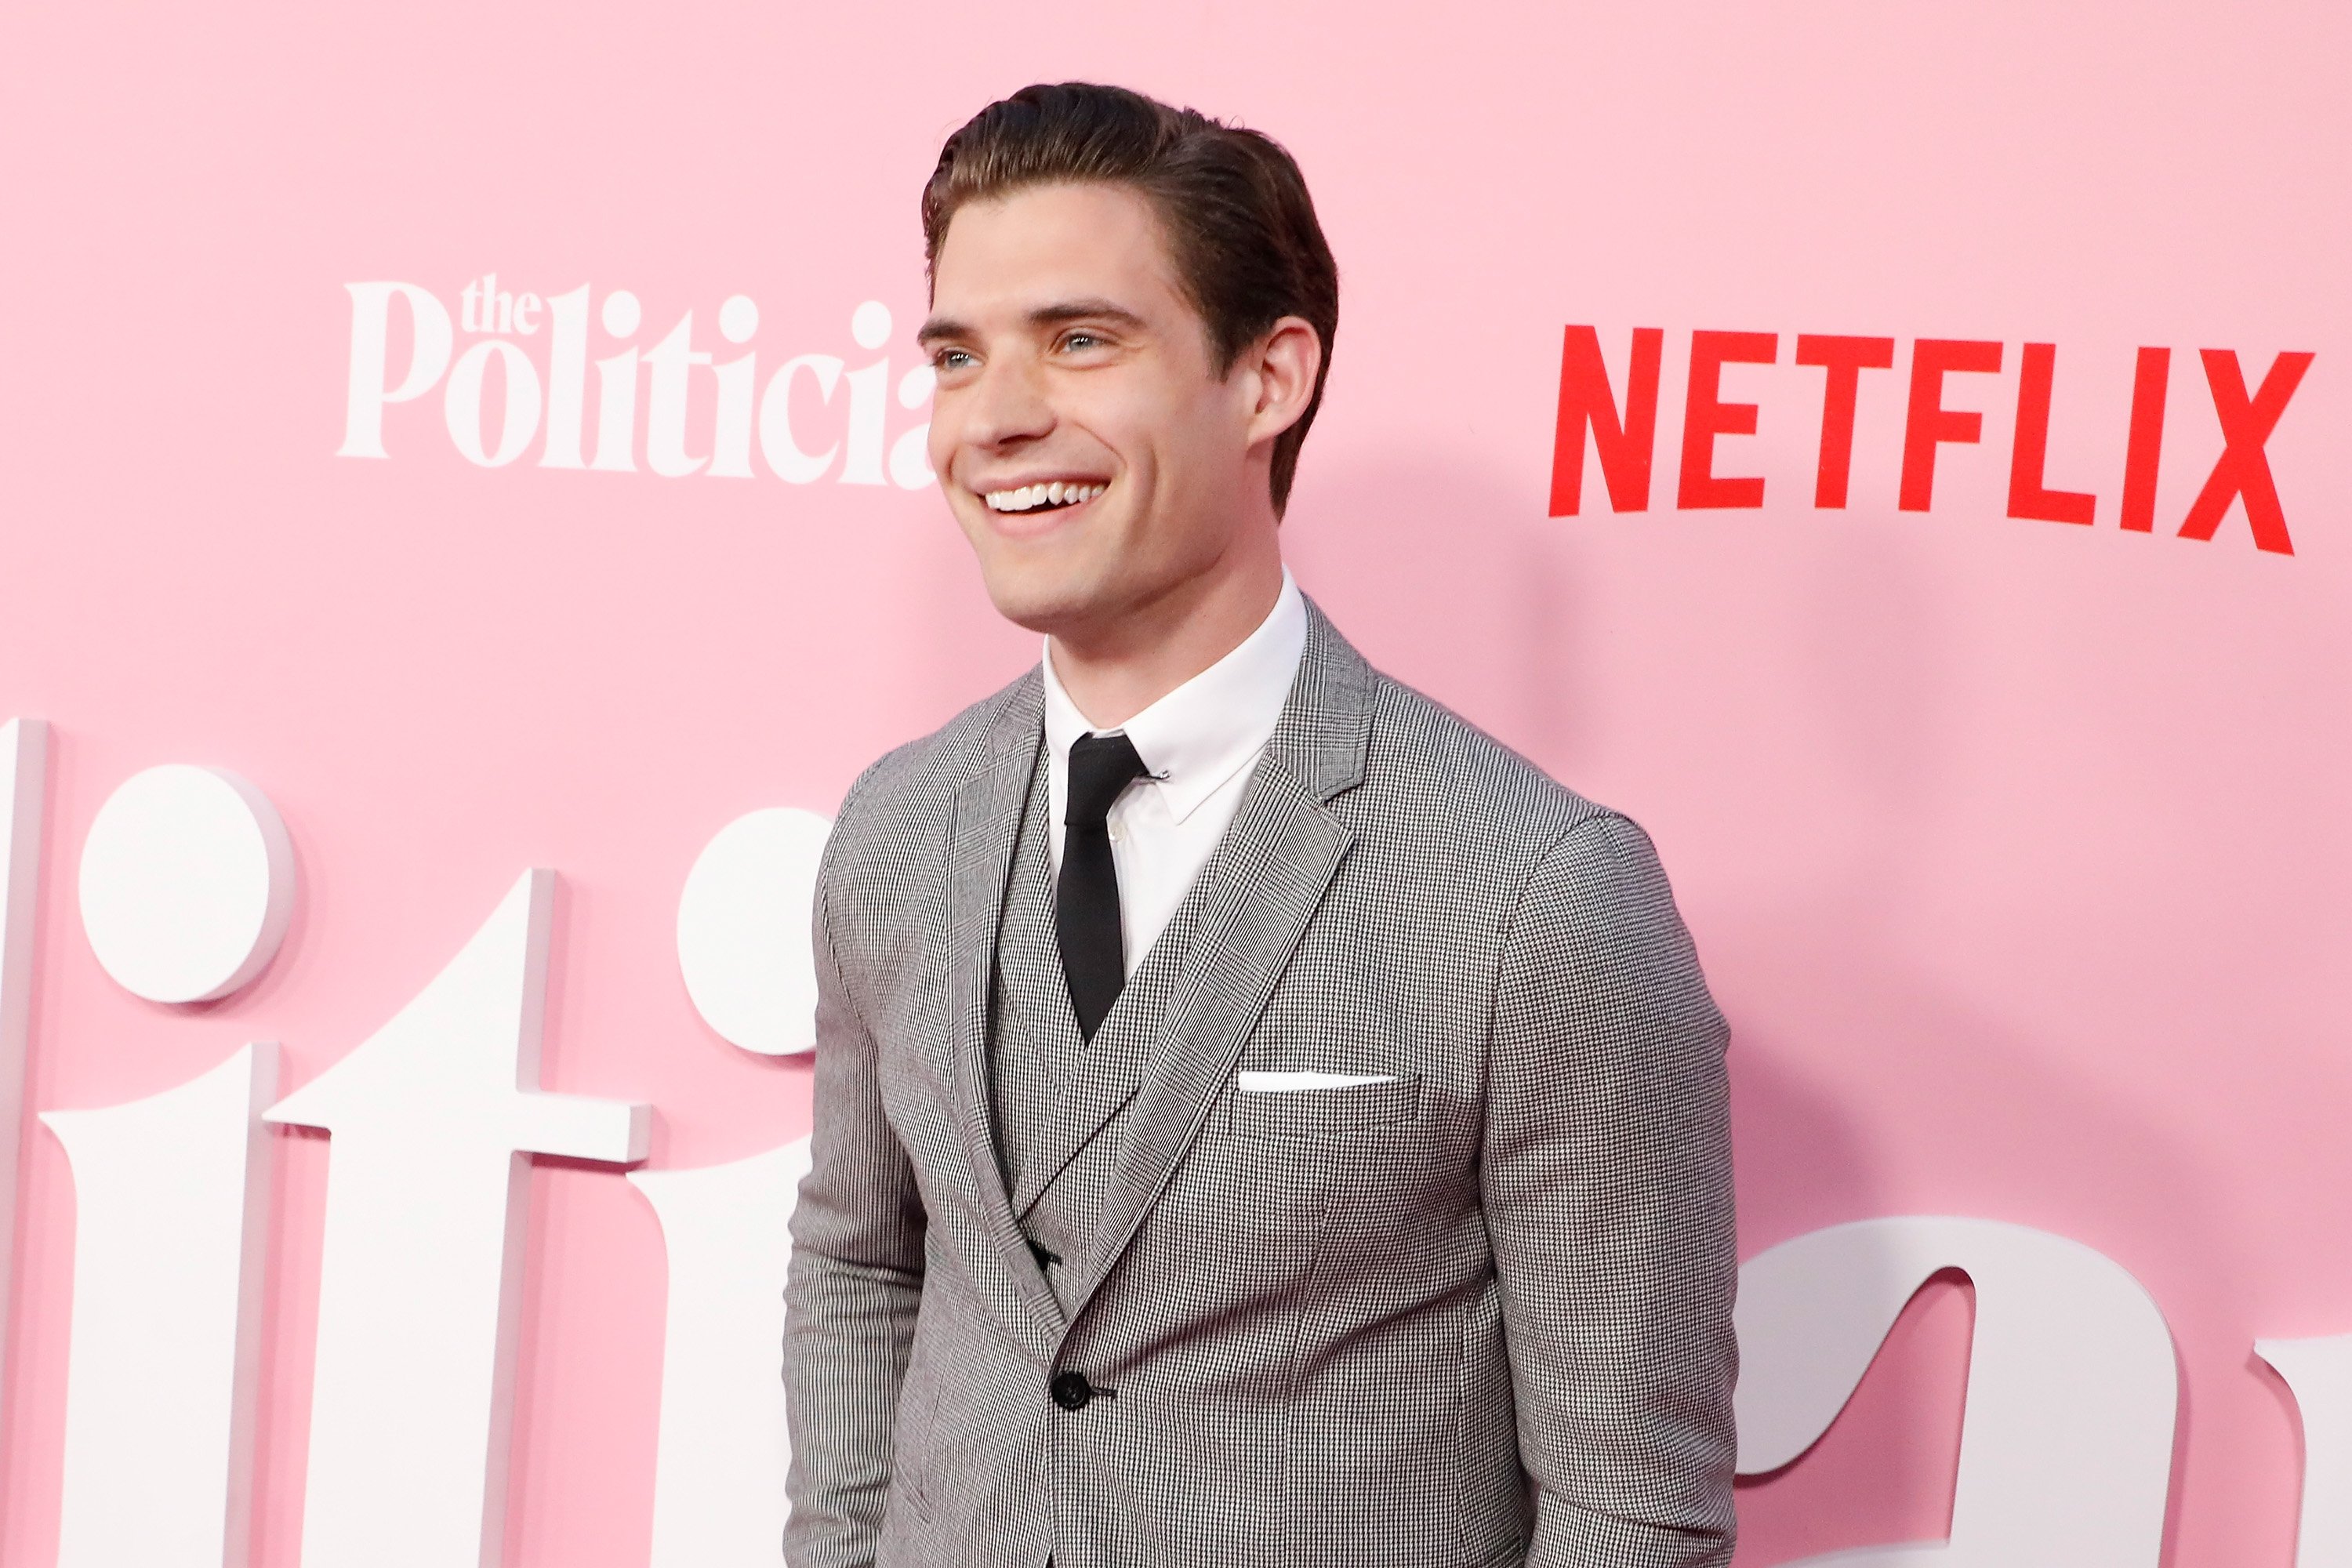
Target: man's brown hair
{"type": "Point", "coordinates": [1240, 226]}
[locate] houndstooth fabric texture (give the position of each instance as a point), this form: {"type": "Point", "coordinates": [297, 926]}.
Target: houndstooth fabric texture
{"type": "Point", "coordinates": [1057, 1101]}
{"type": "Point", "coordinates": [1477, 1314]}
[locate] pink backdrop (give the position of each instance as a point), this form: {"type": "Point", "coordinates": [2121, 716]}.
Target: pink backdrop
{"type": "Point", "coordinates": [2016, 850]}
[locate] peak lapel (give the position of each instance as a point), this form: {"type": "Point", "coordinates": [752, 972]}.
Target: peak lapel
{"type": "Point", "coordinates": [1282, 851]}
{"type": "Point", "coordinates": [982, 834]}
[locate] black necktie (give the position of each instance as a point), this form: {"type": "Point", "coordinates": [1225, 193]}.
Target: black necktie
{"type": "Point", "coordinates": [1086, 902]}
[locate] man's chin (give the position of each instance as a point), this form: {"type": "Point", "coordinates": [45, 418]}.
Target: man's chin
{"type": "Point", "coordinates": [1057, 606]}
{"type": "Point", "coordinates": [1043, 612]}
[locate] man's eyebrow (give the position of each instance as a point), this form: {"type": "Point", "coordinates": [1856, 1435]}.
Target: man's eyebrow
{"type": "Point", "coordinates": [939, 327]}
{"type": "Point", "coordinates": [942, 329]}
{"type": "Point", "coordinates": [1096, 310]}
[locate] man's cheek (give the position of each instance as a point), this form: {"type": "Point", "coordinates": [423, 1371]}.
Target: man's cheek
{"type": "Point", "coordinates": [941, 444]}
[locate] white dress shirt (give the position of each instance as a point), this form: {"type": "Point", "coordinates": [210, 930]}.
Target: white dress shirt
{"type": "Point", "coordinates": [1201, 741]}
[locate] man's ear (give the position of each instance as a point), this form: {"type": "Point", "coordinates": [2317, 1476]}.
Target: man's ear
{"type": "Point", "coordinates": [1283, 364]}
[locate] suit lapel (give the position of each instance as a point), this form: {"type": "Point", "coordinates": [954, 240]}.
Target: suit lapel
{"type": "Point", "coordinates": [982, 834]}
{"type": "Point", "coordinates": [1098, 1086]}
{"type": "Point", "coordinates": [1092, 1080]}
{"type": "Point", "coordinates": [1282, 851]}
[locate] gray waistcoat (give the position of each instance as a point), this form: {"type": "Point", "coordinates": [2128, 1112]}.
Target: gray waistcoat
{"type": "Point", "coordinates": [1037, 1058]}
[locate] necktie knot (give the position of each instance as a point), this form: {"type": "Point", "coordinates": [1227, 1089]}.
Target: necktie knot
{"type": "Point", "coordinates": [1101, 767]}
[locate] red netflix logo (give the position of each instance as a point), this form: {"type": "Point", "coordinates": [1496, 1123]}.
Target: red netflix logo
{"type": "Point", "coordinates": [1623, 434]}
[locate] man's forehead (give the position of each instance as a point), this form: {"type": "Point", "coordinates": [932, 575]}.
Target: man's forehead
{"type": "Point", "coordinates": [1007, 259]}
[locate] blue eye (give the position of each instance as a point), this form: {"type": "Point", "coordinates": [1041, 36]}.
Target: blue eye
{"type": "Point", "coordinates": [1080, 340]}
{"type": "Point", "coordinates": [950, 359]}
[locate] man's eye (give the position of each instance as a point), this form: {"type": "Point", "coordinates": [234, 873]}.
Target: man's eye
{"type": "Point", "coordinates": [946, 360]}
{"type": "Point", "coordinates": [1075, 340]}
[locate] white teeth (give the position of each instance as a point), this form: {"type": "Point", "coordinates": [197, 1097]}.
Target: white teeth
{"type": "Point", "coordinates": [1028, 498]}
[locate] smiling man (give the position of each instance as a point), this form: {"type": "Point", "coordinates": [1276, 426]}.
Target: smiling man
{"type": "Point", "coordinates": [1259, 1118]}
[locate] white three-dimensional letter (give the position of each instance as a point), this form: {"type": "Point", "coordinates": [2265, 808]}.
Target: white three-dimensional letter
{"type": "Point", "coordinates": [2318, 1372]}
{"type": "Point", "coordinates": [718, 1471]}
{"type": "Point", "coordinates": [2066, 1456]}
{"type": "Point", "coordinates": [170, 1205]}
{"type": "Point", "coordinates": [23, 754]}
{"type": "Point", "coordinates": [419, 1287]}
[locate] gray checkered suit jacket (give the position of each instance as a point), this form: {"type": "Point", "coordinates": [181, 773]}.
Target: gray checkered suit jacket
{"type": "Point", "coordinates": [1478, 1314]}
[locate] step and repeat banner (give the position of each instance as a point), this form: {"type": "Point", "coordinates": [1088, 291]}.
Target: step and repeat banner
{"type": "Point", "coordinates": [464, 521]}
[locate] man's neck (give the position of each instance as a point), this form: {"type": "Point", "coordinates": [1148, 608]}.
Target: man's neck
{"type": "Point", "coordinates": [1157, 647]}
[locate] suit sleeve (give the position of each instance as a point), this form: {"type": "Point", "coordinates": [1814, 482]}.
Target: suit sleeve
{"type": "Point", "coordinates": [1607, 1184]}
{"type": "Point", "coordinates": [854, 1287]}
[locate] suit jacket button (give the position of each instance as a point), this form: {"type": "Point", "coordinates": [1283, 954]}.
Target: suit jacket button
{"type": "Point", "coordinates": [1071, 1390]}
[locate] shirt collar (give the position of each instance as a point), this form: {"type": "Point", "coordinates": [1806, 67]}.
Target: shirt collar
{"type": "Point", "coordinates": [1199, 735]}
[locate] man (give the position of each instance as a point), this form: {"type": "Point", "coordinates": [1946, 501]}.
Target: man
{"type": "Point", "coordinates": [1259, 1119]}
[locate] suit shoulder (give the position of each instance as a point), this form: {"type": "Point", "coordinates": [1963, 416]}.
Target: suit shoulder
{"type": "Point", "coordinates": [883, 857]}
{"type": "Point", "coordinates": [1433, 758]}
{"type": "Point", "coordinates": [914, 782]}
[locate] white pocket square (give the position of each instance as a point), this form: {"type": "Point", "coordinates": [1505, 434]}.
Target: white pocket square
{"type": "Point", "coordinates": [1252, 1082]}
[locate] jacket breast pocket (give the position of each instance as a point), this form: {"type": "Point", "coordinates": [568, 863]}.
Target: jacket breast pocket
{"type": "Point", "coordinates": [1348, 1113]}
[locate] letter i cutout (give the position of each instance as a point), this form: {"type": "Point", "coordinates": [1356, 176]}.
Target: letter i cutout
{"type": "Point", "coordinates": [171, 1237]}
{"type": "Point", "coordinates": [720, 1462]}
{"type": "Point", "coordinates": [24, 766]}
{"type": "Point", "coordinates": [419, 1292]}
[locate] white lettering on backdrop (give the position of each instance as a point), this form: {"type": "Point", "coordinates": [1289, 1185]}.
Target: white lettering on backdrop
{"type": "Point", "coordinates": [23, 771]}
{"type": "Point", "coordinates": [187, 883]}
{"type": "Point", "coordinates": [718, 1466]}
{"type": "Point", "coordinates": [2319, 1374]}
{"type": "Point", "coordinates": [419, 1287]}
{"type": "Point", "coordinates": [743, 931]}
{"type": "Point", "coordinates": [2066, 1451]}
{"type": "Point", "coordinates": [171, 1237]}
{"type": "Point", "coordinates": [553, 401]}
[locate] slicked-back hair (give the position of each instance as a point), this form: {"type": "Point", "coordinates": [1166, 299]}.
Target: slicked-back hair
{"type": "Point", "coordinates": [1240, 226]}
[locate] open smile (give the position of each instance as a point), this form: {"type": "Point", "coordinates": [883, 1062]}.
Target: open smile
{"type": "Point", "coordinates": [1042, 497]}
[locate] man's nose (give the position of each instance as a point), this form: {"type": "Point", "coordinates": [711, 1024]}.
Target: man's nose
{"type": "Point", "coordinates": [1008, 405]}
